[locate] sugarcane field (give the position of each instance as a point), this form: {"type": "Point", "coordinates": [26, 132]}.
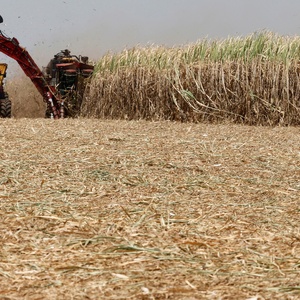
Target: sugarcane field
{"type": "Point", "coordinates": [178, 178]}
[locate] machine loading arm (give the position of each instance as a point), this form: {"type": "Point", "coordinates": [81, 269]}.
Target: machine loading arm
{"type": "Point", "coordinates": [11, 47]}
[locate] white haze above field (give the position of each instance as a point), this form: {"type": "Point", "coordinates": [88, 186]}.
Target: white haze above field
{"type": "Point", "coordinates": [94, 27]}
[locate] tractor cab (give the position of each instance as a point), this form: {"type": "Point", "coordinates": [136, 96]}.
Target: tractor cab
{"type": "Point", "coordinates": [3, 68]}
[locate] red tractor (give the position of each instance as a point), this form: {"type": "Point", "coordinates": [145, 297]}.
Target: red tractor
{"type": "Point", "coordinates": [62, 82]}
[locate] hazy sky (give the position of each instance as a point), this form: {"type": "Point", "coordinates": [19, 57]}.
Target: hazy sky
{"type": "Point", "coordinates": [94, 27]}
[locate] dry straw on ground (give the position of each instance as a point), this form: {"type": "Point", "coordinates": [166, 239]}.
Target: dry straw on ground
{"type": "Point", "coordinates": [148, 210]}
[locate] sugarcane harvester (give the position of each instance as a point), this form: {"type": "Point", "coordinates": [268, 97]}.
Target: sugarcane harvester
{"type": "Point", "coordinates": [61, 84]}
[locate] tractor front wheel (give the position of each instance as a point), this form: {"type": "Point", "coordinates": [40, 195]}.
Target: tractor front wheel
{"type": "Point", "coordinates": [5, 108]}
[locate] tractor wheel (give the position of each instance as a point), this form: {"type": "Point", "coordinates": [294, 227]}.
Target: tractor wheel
{"type": "Point", "coordinates": [5, 108]}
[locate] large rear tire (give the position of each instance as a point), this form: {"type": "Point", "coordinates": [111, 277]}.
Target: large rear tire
{"type": "Point", "coordinates": [5, 108]}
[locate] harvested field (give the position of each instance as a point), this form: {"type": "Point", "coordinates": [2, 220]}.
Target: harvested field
{"type": "Point", "coordinates": [96, 209]}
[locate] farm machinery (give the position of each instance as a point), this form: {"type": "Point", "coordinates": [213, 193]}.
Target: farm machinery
{"type": "Point", "coordinates": [61, 83]}
{"type": "Point", "coordinates": [5, 103]}
{"type": "Point", "coordinates": [66, 74]}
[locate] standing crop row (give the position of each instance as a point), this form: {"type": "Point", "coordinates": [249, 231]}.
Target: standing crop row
{"type": "Point", "coordinates": [251, 80]}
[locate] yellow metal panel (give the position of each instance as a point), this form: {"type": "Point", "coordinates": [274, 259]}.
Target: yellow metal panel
{"type": "Point", "coordinates": [3, 68]}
